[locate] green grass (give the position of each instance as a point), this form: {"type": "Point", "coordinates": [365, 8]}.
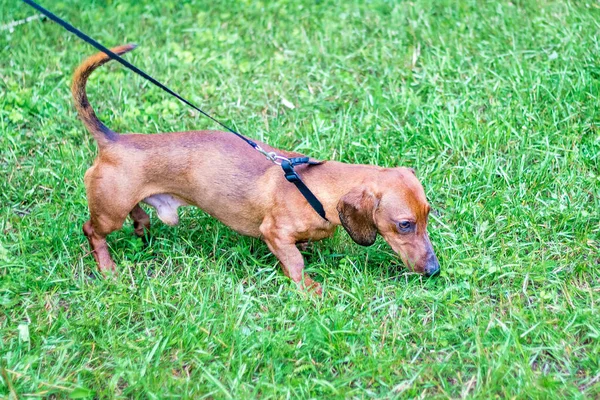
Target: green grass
{"type": "Point", "coordinates": [495, 104]}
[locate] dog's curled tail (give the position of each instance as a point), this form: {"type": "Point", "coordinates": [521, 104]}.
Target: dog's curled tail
{"type": "Point", "coordinates": [102, 134]}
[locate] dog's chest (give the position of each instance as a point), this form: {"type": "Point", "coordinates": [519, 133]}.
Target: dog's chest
{"type": "Point", "coordinates": [318, 232]}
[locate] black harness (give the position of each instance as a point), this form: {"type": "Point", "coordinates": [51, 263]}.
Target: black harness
{"type": "Point", "coordinates": [292, 176]}
{"type": "Point", "coordinates": [287, 164]}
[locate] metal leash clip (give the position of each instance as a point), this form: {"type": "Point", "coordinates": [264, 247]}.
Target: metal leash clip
{"type": "Point", "coordinates": [272, 156]}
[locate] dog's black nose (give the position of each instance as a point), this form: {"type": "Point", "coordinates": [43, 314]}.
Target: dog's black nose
{"type": "Point", "coordinates": [433, 267]}
{"type": "Point", "coordinates": [434, 272]}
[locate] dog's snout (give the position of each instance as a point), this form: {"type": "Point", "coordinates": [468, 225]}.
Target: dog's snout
{"type": "Point", "coordinates": [432, 268]}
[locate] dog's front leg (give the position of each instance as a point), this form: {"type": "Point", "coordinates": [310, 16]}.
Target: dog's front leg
{"type": "Point", "coordinates": [292, 262]}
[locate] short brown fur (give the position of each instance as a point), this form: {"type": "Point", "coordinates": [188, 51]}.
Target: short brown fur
{"type": "Point", "coordinates": [225, 177]}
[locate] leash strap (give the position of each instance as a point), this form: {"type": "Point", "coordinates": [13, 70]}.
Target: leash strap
{"type": "Point", "coordinates": [272, 156]}
{"type": "Point", "coordinates": [127, 64]}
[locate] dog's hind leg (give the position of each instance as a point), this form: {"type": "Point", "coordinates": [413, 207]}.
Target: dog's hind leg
{"type": "Point", "coordinates": [99, 248]}
{"type": "Point", "coordinates": [141, 221]}
{"type": "Point", "coordinates": [110, 200]}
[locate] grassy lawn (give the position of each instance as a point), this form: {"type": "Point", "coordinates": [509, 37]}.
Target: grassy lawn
{"type": "Point", "coordinates": [495, 104]}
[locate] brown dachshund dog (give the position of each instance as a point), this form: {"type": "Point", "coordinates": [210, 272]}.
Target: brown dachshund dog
{"type": "Point", "coordinates": [228, 179]}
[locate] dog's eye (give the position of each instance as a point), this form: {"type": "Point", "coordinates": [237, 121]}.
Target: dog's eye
{"type": "Point", "coordinates": [405, 226]}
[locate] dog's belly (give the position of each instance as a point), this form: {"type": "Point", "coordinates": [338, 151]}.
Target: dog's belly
{"type": "Point", "coordinates": [166, 206]}
{"type": "Point", "coordinates": [240, 216]}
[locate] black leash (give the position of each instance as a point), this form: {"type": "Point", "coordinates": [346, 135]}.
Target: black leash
{"type": "Point", "coordinates": [286, 164]}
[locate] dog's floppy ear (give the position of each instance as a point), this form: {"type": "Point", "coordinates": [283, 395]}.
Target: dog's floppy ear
{"type": "Point", "coordinates": [356, 211]}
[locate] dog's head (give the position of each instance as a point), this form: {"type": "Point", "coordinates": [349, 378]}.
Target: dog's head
{"type": "Point", "coordinates": [393, 205]}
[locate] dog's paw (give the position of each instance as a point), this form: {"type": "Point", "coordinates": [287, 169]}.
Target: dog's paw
{"type": "Point", "coordinates": [312, 287]}
{"type": "Point", "coordinates": [302, 246]}
{"type": "Point", "coordinates": [317, 289]}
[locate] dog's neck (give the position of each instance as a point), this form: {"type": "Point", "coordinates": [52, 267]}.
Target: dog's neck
{"type": "Point", "coordinates": [329, 188]}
